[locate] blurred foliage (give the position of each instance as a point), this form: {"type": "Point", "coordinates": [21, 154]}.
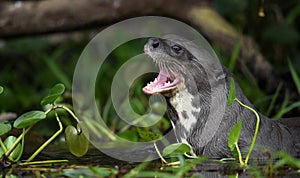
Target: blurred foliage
{"type": "Point", "coordinates": [31, 66]}
{"type": "Point", "coordinates": [278, 36]}
{"type": "Point", "coordinates": [277, 33]}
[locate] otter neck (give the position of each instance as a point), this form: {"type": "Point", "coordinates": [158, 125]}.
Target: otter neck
{"type": "Point", "coordinates": [198, 112]}
{"type": "Point", "coordinates": [187, 112]}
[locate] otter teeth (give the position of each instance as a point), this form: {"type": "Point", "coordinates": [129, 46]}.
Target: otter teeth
{"type": "Point", "coordinates": [165, 81]}
{"type": "Point", "coordinates": [160, 84]}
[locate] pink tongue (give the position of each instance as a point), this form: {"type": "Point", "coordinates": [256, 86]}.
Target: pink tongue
{"type": "Point", "coordinates": [161, 83]}
{"type": "Point", "coordinates": [162, 78]}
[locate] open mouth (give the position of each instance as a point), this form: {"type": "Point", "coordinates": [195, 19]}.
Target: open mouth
{"type": "Point", "coordinates": [166, 81]}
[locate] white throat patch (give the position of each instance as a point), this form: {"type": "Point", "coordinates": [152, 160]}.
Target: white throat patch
{"type": "Point", "coordinates": [187, 114]}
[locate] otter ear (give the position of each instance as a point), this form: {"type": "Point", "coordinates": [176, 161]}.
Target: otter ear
{"type": "Point", "coordinates": [191, 57]}
{"type": "Point", "coordinates": [220, 74]}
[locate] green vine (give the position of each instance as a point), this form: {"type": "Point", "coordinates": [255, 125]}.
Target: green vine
{"type": "Point", "coordinates": [235, 132]}
{"type": "Point", "coordinates": [27, 120]}
{"type": "Point", "coordinates": [256, 129]}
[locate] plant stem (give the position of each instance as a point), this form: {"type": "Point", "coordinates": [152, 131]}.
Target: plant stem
{"type": "Point", "coordinates": [49, 140]}
{"type": "Point", "coordinates": [22, 146]}
{"type": "Point", "coordinates": [65, 108]}
{"type": "Point", "coordinates": [190, 156]}
{"type": "Point", "coordinates": [256, 129]}
{"type": "Point", "coordinates": [239, 155]}
{"type": "Point", "coordinates": [11, 149]}
{"type": "Point", "coordinates": [43, 162]}
{"type": "Point", "coordinates": [157, 150]}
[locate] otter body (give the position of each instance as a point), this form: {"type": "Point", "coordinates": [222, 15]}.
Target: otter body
{"type": "Point", "coordinates": [191, 89]}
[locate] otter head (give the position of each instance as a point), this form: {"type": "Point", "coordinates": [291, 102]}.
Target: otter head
{"type": "Point", "coordinates": [178, 69]}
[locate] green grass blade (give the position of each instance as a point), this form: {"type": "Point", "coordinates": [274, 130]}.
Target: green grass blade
{"type": "Point", "coordinates": [295, 76]}
{"type": "Point", "coordinates": [283, 106]}
{"type": "Point", "coordinates": [293, 14]}
{"type": "Point", "coordinates": [274, 98]}
{"type": "Point", "coordinates": [58, 73]}
{"type": "Point", "coordinates": [288, 109]}
{"type": "Point", "coordinates": [234, 55]}
{"type": "Point", "coordinates": [249, 75]}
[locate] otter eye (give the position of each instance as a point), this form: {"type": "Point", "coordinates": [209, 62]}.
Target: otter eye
{"type": "Point", "coordinates": [177, 49]}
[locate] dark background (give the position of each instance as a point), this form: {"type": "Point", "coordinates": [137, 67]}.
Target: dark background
{"type": "Point", "coordinates": [40, 43]}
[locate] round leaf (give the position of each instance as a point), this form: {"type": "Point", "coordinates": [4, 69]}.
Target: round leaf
{"type": "Point", "coordinates": [29, 118]}
{"type": "Point", "coordinates": [176, 148]}
{"type": "Point", "coordinates": [9, 141]}
{"type": "Point", "coordinates": [4, 127]}
{"type": "Point", "coordinates": [55, 92]}
{"type": "Point", "coordinates": [1, 89]}
{"type": "Point", "coordinates": [76, 141]}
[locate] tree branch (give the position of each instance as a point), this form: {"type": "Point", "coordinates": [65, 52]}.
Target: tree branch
{"type": "Point", "coordinates": [39, 17]}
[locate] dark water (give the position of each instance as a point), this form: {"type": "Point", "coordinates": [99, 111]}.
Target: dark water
{"type": "Point", "coordinates": [208, 168]}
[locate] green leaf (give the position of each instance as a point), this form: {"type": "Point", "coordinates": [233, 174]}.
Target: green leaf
{"type": "Point", "coordinates": [4, 127]}
{"type": "Point", "coordinates": [147, 135]}
{"type": "Point", "coordinates": [29, 118]}
{"type": "Point", "coordinates": [1, 89]}
{"type": "Point", "coordinates": [9, 141]}
{"type": "Point", "coordinates": [295, 76]}
{"type": "Point", "coordinates": [232, 92]}
{"type": "Point", "coordinates": [234, 135]}
{"type": "Point", "coordinates": [76, 140]}
{"type": "Point", "coordinates": [55, 92]}
{"type": "Point", "coordinates": [177, 148]}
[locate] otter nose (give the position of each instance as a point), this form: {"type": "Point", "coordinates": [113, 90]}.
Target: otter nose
{"type": "Point", "coordinates": [154, 43]}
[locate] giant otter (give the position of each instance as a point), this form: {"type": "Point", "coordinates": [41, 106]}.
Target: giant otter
{"type": "Point", "coordinates": [184, 81]}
